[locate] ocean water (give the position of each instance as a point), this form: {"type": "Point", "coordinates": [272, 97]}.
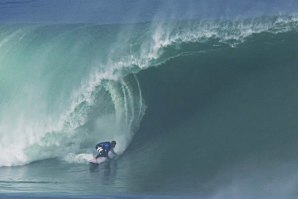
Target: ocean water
{"type": "Point", "coordinates": [200, 108]}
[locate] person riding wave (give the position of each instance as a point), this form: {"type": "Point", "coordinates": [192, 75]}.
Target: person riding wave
{"type": "Point", "coordinates": [105, 149]}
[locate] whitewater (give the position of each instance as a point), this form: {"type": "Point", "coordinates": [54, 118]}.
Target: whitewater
{"type": "Point", "coordinates": [206, 83]}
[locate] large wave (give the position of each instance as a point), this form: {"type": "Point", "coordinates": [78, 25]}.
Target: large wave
{"type": "Point", "coordinates": [65, 87]}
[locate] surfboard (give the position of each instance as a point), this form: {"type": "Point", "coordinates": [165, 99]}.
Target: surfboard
{"type": "Point", "coordinates": [97, 161]}
{"type": "Point", "coordinates": [93, 161]}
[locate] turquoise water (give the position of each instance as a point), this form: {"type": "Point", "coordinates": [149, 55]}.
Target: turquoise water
{"type": "Point", "coordinates": [200, 108]}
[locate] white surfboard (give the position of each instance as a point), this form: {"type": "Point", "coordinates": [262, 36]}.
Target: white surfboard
{"type": "Point", "coordinates": [97, 161]}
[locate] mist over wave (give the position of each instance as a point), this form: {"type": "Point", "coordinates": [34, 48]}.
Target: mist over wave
{"type": "Point", "coordinates": [136, 11]}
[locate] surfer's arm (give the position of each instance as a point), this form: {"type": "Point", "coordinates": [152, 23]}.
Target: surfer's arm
{"type": "Point", "coordinates": [112, 154]}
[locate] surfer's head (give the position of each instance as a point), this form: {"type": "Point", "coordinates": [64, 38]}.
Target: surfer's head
{"type": "Point", "coordinates": [113, 143]}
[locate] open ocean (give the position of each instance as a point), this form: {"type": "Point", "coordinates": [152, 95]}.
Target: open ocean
{"type": "Point", "coordinates": [200, 107]}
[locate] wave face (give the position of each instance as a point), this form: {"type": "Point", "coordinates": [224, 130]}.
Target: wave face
{"type": "Point", "coordinates": [220, 99]}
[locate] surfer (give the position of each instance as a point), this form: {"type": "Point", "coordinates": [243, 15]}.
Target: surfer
{"type": "Point", "coordinates": [105, 149]}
